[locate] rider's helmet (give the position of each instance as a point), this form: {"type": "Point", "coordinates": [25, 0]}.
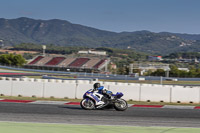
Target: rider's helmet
{"type": "Point", "coordinates": [96, 85]}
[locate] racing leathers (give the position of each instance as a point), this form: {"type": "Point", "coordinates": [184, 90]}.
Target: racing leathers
{"type": "Point", "coordinates": [101, 90]}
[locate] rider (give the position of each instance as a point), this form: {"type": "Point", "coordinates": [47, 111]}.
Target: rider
{"type": "Point", "coordinates": [101, 90]}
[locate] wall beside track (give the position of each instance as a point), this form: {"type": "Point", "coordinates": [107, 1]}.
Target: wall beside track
{"type": "Point", "coordinates": [46, 88]}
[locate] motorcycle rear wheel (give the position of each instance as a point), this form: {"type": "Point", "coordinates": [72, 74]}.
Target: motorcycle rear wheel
{"type": "Point", "coordinates": [120, 105]}
{"type": "Point", "coordinates": [87, 104]}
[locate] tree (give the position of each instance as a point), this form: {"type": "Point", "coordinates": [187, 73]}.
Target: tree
{"type": "Point", "coordinates": [183, 73]}
{"type": "Point", "coordinates": [5, 60]}
{"type": "Point", "coordinates": [11, 59]}
{"type": "Point", "coordinates": [18, 60]}
{"type": "Point", "coordinates": [28, 56]}
{"type": "Point", "coordinates": [123, 70]}
{"type": "Point", "coordinates": [192, 73]}
{"type": "Point", "coordinates": [148, 73]}
{"type": "Point", "coordinates": [174, 71]}
{"type": "Point", "coordinates": [198, 72]}
{"type": "Point", "coordinates": [159, 72]}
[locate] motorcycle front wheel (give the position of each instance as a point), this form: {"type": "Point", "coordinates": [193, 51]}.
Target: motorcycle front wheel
{"type": "Point", "coordinates": [120, 105]}
{"type": "Point", "coordinates": [87, 104]}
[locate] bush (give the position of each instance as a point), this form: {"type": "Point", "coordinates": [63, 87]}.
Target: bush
{"type": "Point", "coordinates": [11, 59]}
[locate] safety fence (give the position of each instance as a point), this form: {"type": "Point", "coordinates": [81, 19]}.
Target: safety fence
{"type": "Point", "coordinates": [29, 87]}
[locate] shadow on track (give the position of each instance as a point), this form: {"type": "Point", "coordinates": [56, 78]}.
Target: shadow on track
{"type": "Point", "coordinates": [71, 107]}
{"type": "Point", "coordinates": [79, 108]}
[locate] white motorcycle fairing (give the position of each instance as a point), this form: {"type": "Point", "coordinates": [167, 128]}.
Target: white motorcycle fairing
{"type": "Point", "coordinates": [94, 95]}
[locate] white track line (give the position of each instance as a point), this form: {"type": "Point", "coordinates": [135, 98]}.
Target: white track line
{"type": "Point", "coordinates": [129, 105]}
{"type": "Point", "coordinates": [178, 107]}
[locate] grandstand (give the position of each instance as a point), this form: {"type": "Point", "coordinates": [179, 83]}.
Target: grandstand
{"type": "Point", "coordinates": [36, 60]}
{"type": "Point", "coordinates": [92, 62]}
{"type": "Point", "coordinates": [79, 62]}
{"type": "Point", "coordinates": [66, 62]}
{"type": "Point", "coordinates": [55, 61]}
{"type": "Point", "coordinates": [87, 64]}
{"type": "Point", "coordinates": [43, 61]}
{"type": "Point", "coordinates": [99, 63]}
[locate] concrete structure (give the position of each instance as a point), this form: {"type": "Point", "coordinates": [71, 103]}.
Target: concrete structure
{"type": "Point", "coordinates": [144, 67]}
{"type": "Point", "coordinates": [76, 89]}
{"type": "Point", "coordinates": [184, 69]}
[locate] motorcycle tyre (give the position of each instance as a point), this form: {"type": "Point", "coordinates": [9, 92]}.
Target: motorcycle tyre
{"type": "Point", "coordinates": [119, 108]}
{"type": "Point", "coordinates": [82, 104]}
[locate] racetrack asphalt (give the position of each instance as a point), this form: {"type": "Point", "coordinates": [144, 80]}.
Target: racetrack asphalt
{"type": "Point", "coordinates": [78, 103]}
{"type": "Point", "coordinates": [74, 114]}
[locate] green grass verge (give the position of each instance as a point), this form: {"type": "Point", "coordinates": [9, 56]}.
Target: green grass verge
{"type": "Point", "coordinates": [14, 127]}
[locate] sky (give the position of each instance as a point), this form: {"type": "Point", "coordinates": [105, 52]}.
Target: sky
{"type": "Point", "coordinates": [177, 16]}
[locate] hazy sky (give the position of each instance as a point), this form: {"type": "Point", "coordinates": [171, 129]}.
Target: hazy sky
{"type": "Point", "coordinates": [178, 16]}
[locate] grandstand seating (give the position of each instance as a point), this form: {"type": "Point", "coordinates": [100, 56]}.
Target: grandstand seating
{"type": "Point", "coordinates": [99, 63]}
{"type": "Point", "coordinates": [36, 60]}
{"type": "Point", "coordinates": [79, 62]}
{"type": "Point", "coordinates": [72, 63]}
{"type": "Point", "coordinates": [43, 61]}
{"type": "Point", "coordinates": [66, 62]}
{"type": "Point", "coordinates": [91, 62]}
{"type": "Point", "coordinates": [55, 61]}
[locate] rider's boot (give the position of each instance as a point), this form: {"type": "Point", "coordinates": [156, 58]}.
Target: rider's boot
{"type": "Point", "coordinates": [112, 97]}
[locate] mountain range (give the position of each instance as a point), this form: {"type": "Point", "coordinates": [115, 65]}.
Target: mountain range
{"type": "Point", "coordinates": [64, 33]}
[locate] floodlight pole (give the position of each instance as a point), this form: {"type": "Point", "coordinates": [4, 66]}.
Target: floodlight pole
{"type": "Point", "coordinates": [44, 48]}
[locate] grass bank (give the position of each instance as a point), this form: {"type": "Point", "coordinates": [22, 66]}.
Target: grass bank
{"type": "Point", "coordinates": [17, 127]}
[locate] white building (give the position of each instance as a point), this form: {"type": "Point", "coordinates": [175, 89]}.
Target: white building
{"type": "Point", "coordinates": [144, 67]}
{"type": "Point", "coordinates": [82, 52]}
{"type": "Point", "coordinates": [184, 69]}
{"type": "Point", "coordinates": [92, 52]}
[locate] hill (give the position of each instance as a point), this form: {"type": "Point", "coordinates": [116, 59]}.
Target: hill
{"type": "Point", "coordinates": [64, 33]}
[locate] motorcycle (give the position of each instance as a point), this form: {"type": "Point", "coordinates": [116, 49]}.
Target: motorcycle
{"type": "Point", "coordinates": [113, 100]}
